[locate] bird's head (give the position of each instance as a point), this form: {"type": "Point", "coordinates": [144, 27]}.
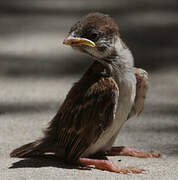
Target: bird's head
{"type": "Point", "coordinates": [95, 34]}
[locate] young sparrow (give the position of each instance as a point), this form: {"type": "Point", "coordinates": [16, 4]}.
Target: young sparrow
{"type": "Point", "coordinates": [109, 93]}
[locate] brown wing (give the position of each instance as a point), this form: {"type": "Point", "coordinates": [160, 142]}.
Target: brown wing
{"type": "Point", "coordinates": [141, 90]}
{"type": "Point", "coordinates": [86, 112]}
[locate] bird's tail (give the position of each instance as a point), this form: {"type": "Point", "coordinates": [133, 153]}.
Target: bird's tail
{"type": "Point", "coordinates": [38, 147]}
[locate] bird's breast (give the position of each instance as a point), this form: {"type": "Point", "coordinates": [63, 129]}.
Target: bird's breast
{"type": "Point", "coordinates": [127, 91]}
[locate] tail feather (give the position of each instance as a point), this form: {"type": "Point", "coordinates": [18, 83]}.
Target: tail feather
{"type": "Point", "coordinates": [38, 147]}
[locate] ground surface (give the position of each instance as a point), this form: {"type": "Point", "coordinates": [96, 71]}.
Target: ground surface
{"type": "Point", "coordinates": [36, 72]}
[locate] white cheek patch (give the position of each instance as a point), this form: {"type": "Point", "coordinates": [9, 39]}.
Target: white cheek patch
{"type": "Point", "coordinates": [94, 52]}
{"type": "Point", "coordinates": [108, 50]}
{"type": "Point", "coordinates": [99, 54]}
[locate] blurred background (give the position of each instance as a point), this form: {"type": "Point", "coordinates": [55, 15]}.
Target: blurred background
{"type": "Point", "coordinates": [31, 34]}
{"type": "Point", "coordinates": [37, 70]}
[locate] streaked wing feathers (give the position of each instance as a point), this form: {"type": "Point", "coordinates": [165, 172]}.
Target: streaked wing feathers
{"type": "Point", "coordinates": [85, 114]}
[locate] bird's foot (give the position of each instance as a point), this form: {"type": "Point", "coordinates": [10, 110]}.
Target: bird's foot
{"type": "Point", "coordinates": [127, 151]}
{"type": "Point", "coordinates": [107, 165]}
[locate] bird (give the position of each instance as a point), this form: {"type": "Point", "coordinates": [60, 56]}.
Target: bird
{"type": "Point", "coordinates": [110, 92]}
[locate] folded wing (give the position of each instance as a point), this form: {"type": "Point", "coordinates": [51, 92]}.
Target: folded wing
{"type": "Point", "coordinates": [85, 114]}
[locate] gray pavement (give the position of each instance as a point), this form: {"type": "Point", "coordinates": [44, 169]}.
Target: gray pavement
{"type": "Point", "coordinates": [36, 72]}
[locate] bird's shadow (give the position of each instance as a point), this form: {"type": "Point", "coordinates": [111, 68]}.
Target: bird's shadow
{"type": "Point", "coordinates": [45, 161]}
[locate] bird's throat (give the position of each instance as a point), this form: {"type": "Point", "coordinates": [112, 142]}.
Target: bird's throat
{"type": "Point", "coordinates": [122, 53]}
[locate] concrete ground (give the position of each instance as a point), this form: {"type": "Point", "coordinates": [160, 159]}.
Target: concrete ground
{"type": "Point", "coordinates": [36, 72]}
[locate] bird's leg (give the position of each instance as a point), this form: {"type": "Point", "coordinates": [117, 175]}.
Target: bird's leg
{"type": "Point", "coordinates": [107, 165]}
{"type": "Point", "coordinates": [127, 151]}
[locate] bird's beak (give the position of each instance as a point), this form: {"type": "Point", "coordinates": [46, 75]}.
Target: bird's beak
{"type": "Point", "coordinates": [70, 40]}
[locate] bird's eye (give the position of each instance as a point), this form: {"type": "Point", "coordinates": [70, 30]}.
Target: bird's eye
{"type": "Point", "coordinates": [91, 35]}
{"type": "Point", "coordinates": [94, 36]}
